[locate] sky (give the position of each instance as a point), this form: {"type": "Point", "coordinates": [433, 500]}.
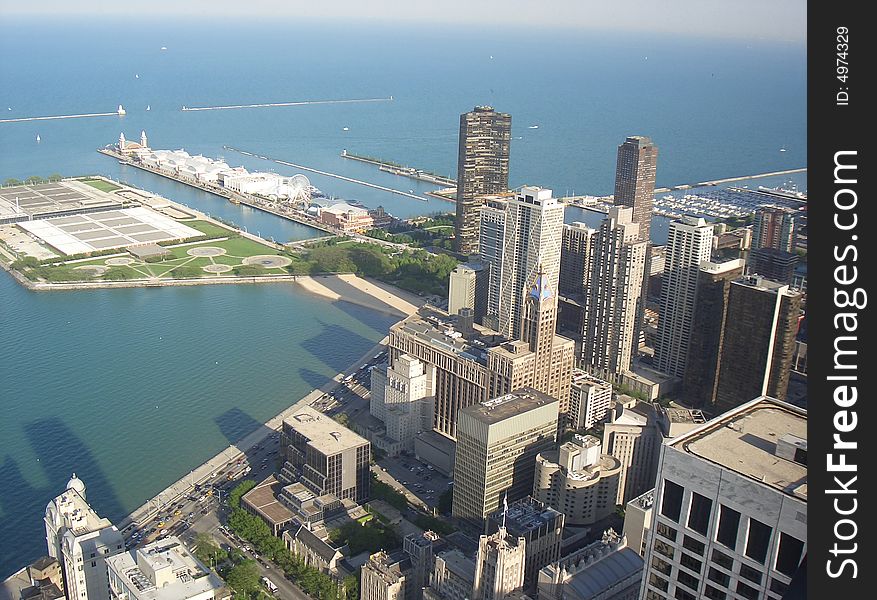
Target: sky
{"type": "Point", "coordinates": [778, 20]}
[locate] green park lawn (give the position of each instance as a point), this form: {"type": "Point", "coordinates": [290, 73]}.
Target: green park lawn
{"type": "Point", "coordinates": [208, 228]}
{"type": "Point", "coordinates": [179, 264]}
{"type": "Point", "coordinates": [104, 186]}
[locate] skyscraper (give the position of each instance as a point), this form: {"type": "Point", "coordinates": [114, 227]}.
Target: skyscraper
{"type": "Point", "coordinates": [491, 244]}
{"type": "Point", "coordinates": [467, 366]}
{"type": "Point", "coordinates": [541, 527]}
{"type": "Point", "coordinates": [758, 342]}
{"type": "Point", "coordinates": [532, 238]}
{"type": "Point", "coordinates": [467, 288]}
{"type": "Point", "coordinates": [707, 329]}
{"type": "Point", "coordinates": [730, 512]}
{"type": "Point", "coordinates": [609, 334]}
{"type": "Point", "coordinates": [482, 168]}
{"type": "Point", "coordinates": [386, 577]}
{"type": "Point", "coordinates": [635, 180]}
{"type": "Point", "coordinates": [324, 455]}
{"type": "Point", "coordinates": [553, 354]}
{"type": "Point", "coordinates": [497, 443]}
{"type": "Point", "coordinates": [575, 259]}
{"type": "Point", "coordinates": [774, 227]}
{"type": "Point", "coordinates": [689, 242]}
{"type": "Point", "coordinates": [578, 480]}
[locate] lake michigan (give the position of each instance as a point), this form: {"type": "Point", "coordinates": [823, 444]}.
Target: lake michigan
{"type": "Point", "coordinates": [133, 388]}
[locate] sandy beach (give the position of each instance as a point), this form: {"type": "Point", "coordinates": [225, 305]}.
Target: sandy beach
{"type": "Point", "coordinates": [364, 292]}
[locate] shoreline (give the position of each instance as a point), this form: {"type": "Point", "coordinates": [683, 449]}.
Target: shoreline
{"type": "Point", "coordinates": [227, 457]}
{"type": "Point", "coordinates": [239, 449]}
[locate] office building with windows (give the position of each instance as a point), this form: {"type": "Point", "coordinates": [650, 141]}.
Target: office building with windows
{"type": "Point", "coordinates": [163, 570]}
{"type": "Point", "coordinates": [689, 243]}
{"type": "Point", "coordinates": [610, 337]}
{"type": "Point", "coordinates": [635, 171]}
{"type": "Point", "coordinates": [757, 344]}
{"type": "Point", "coordinates": [497, 443]}
{"type": "Point", "coordinates": [324, 455]}
{"type": "Point", "coordinates": [81, 541]}
{"type": "Point", "coordinates": [578, 480]}
{"type": "Point", "coordinates": [541, 527]}
{"type": "Point", "coordinates": [730, 511]}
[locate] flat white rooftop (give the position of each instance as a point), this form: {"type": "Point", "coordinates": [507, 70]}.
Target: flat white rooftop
{"type": "Point", "coordinates": [326, 434]}
{"type": "Point", "coordinates": [163, 570]}
{"type": "Point", "coordinates": [120, 228]}
{"type": "Point", "coordinates": [744, 440]}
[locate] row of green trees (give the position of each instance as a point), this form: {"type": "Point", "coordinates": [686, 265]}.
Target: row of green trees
{"type": "Point", "coordinates": [371, 536]}
{"type": "Point", "coordinates": [382, 491]}
{"type": "Point", "coordinates": [254, 530]}
{"type": "Point", "coordinates": [32, 180]}
{"type": "Point", "coordinates": [413, 270]}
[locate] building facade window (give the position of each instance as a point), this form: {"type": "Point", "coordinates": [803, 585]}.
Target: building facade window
{"type": "Point", "coordinates": [718, 577]}
{"type": "Point", "coordinates": [778, 587]}
{"type": "Point", "coordinates": [758, 540]}
{"type": "Point", "coordinates": [753, 575]}
{"type": "Point", "coordinates": [671, 503]}
{"type": "Point", "coordinates": [789, 554]}
{"type": "Point", "coordinates": [665, 549]}
{"type": "Point", "coordinates": [747, 591]}
{"type": "Point", "coordinates": [714, 593]}
{"type": "Point", "coordinates": [722, 559]}
{"type": "Point", "coordinates": [661, 566]}
{"type": "Point", "coordinates": [666, 531]}
{"type": "Point", "coordinates": [689, 562]}
{"type": "Point", "coordinates": [699, 513]}
{"type": "Point", "coordinates": [729, 523]}
{"type": "Point", "coordinates": [658, 582]}
{"type": "Point", "coordinates": [689, 543]}
{"type": "Point", "coordinates": [689, 581]}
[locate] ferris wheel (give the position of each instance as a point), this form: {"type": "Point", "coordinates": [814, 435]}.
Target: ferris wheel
{"type": "Point", "coordinates": [300, 190]}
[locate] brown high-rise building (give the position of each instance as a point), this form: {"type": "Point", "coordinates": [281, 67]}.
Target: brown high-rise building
{"type": "Point", "coordinates": [775, 227]}
{"type": "Point", "coordinates": [482, 168]}
{"type": "Point", "coordinates": [635, 180]}
{"type": "Point", "coordinates": [758, 342]}
{"type": "Point", "coordinates": [707, 327]}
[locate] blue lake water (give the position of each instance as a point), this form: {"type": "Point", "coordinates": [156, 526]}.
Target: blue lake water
{"type": "Point", "coordinates": [132, 388]}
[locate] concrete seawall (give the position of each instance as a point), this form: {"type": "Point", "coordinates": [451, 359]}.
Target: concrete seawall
{"type": "Point", "coordinates": [233, 452]}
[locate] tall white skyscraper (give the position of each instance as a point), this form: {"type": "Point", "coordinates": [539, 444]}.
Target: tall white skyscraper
{"type": "Point", "coordinates": [81, 541]}
{"type": "Point", "coordinates": [517, 236]}
{"type": "Point", "coordinates": [618, 261]}
{"type": "Point", "coordinates": [407, 400]}
{"type": "Point", "coordinates": [689, 242]}
{"type": "Point", "coordinates": [533, 236]}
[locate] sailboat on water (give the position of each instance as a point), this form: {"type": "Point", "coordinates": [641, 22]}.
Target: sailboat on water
{"type": "Point", "coordinates": [38, 138]}
{"type": "Point", "coordinates": [147, 107]}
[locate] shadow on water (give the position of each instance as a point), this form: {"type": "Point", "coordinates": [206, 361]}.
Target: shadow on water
{"type": "Point", "coordinates": [61, 454]}
{"type": "Point", "coordinates": [235, 425]}
{"type": "Point", "coordinates": [316, 380]}
{"type": "Point", "coordinates": [378, 321]}
{"type": "Point", "coordinates": [351, 346]}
